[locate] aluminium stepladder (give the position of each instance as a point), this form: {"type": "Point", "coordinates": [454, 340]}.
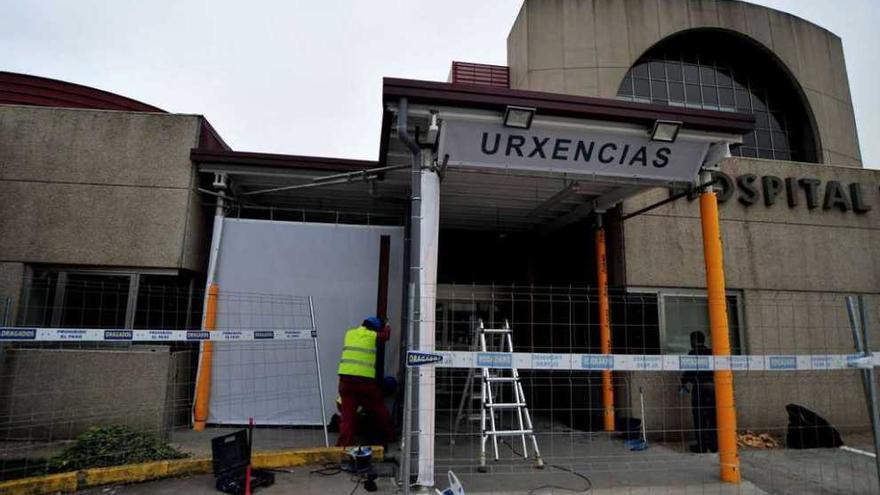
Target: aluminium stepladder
{"type": "Point", "coordinates": [492, 379]}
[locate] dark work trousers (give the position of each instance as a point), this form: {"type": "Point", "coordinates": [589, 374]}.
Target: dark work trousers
{"type": "Point", "coordinates": [360, 391]}
{"type": "Point", "coordinates": [705, 421]}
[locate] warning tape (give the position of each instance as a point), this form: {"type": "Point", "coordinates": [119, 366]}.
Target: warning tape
{"type": "Point", "coordinates": [649, 362]}
{"type": "Point", "coordinates": [24, 334]}
{"type": "Point", "coordinates": [463, 359]}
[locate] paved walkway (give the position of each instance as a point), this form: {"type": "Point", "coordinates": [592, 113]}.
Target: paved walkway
{"type": "Point", "coordinates": [609, 465]}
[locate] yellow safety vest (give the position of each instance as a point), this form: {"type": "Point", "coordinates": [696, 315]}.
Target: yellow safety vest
{"type": "Point", "coordinates": [359, 353]}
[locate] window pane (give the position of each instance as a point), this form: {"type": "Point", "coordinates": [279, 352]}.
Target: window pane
{"type": "Point", "coordinates": [764, 140]}
{"type": "Point", "coordinates": [683, 315]}
{"type": "Point", "coordinates": [95, 301]}
{"type": "Point", "coordinates": [742, 101]}
{"type": "Point", "coordinates": [710, 97]}
{"type": "Point", "coordinates": [691, 73]}
{"type": "Point", "coordinates": [640, 70]}
{"type": "Point", "coordinates": [642, 88]}
{"type": "Point", "coordinates": [39, 299]}
{"type": "Point", "coordinates": [658, 90]}
{"type": "Point", "coordinates": [673, 71]}
{"type": "Point", "coordinates": [776, 121]}
{"type": "Point", "coordinates": [749, 152]}
{"type": "Point", "coordinates": [626, 87]}
{"type": "Point", "coordinates": [686, 314]}
{"type": "Point", "coordinates": [692, 94]}
{"type": "Point", "coordinates": [779, 140]}
{"type": "Point", "coordinates": [736, 149]}
{"type": "Point", "coordinates": [166, 302]}
{"type": "Point", "coordinates": [657, 70]}
{"type": "Point", "coordinates": [707, 76]}
{"type": "Point", "coordinates": [758, 101]}
{"type": "Point", "coordinates": [676, 91]}
{"type": "Point", "coordinates": [725, 97]}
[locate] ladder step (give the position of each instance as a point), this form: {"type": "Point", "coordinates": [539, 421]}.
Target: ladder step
{"type": "Point", "coordinates": [508, 433]}
{"type": "Point", "coordinates": [502, 379]}
{"type": "Point", "coordinates": [496, 330]}
{"type": "Point", "coordinates": [474, 417]}
{"type": "Point", "coordinates": [506, 405]}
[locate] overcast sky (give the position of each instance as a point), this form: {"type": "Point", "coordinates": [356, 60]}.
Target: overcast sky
{"type": "Point", "coordinates": [304, 77]}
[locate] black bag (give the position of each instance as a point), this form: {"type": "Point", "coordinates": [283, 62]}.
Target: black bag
{"type": "Point", "coordinates": [808, 430]}
{"type": "Point", "coordinates": [231, 457]}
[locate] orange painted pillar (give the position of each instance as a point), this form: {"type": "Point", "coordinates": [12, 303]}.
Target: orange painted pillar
{"type": "Point", "coordinates": [604, 328]}
{"type": "Point", "coordinates": [724, 404]}
{"type": "Point", "coordinates": [203, 383]}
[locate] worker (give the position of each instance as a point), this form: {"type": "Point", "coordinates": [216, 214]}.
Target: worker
{"type": "Point", "coordinates": [357, 381]}
{"type": "Point", "coordinates": [365, 422]}
{"type": "Point", "coordinates": [702, 398]}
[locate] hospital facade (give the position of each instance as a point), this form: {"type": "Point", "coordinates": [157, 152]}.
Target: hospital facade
{"type": "Point", "coordinates": [99, 190]}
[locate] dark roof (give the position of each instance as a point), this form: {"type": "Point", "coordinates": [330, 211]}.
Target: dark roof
{"type": "Point", "coordinates": [25, 89]}
{"type": "Point", "coordinates": [272, 160]}
{"type": "Point", "coordinates": [491, 98]}
{"type": "Point", "coordinates": [554, 104]}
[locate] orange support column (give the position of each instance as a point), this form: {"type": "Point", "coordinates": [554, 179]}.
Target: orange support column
{"type": "Point", "coordinates": [604, 327]}
{"type": "Point", "coordinates": [203, 383]}
{"type": "Point", "coordinates": [724, 404]}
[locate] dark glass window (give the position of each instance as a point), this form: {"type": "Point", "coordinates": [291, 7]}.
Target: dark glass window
{"type": "Point", "coordinates": [79, 298]}
{"type": "Point", "coordinates": [713, 70]}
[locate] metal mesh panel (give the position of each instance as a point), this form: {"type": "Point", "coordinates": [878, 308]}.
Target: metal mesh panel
{"type": "Point", "coordinates": [796, 338]}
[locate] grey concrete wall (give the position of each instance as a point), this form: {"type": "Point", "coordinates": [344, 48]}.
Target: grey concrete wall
{"type": "Point", "coordinates": [55, 394]}
{"type": "Point", "coordinates": [777, 322]}
{"type": "Point", "coordinates": [765, 247]}
{"type": "Point", "coordinates": [793, 266]}
{"type": "Point", "coordinates": [97, 187]}
{"type": "Point", "coordinates": [11, 277]}
{"type": "Point", "coordinates": [585, 47]}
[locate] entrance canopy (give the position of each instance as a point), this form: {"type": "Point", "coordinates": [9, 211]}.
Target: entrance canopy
{"type": "Point", "coordinates": [578, 155]}
{"type": "Point", "coordinates": [475, 157]}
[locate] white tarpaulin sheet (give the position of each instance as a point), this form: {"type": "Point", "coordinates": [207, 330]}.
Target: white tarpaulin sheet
{"type": "Point", "coordinates": [338, 265]}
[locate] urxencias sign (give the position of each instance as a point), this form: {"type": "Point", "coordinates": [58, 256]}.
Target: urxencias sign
{"type": "Point", "coordinates": [602, 153]}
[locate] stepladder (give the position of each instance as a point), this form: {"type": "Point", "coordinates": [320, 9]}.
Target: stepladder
{"type": "Point", "coordinates": [504, 412]}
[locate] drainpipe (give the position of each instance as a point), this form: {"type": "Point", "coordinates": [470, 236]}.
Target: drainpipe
{"type": "Point", "coordinates": [209, 312]}
{"type": "Point", "coordinates": [414, 311]}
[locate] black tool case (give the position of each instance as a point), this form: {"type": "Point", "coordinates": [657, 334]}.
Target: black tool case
{"type": "Point", "coordinates": [231, 457]}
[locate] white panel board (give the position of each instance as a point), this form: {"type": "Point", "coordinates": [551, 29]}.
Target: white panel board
{"type": "Point", "coordinates": [338, 266]}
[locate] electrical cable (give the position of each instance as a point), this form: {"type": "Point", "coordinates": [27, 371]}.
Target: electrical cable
{"type": "Point", "coordinates": [332, 469]}
{"type": "Point", "coordinates": [357, 484]}
{"type": "Point", "coordinates": [328, 469]}
{"type": "Point", "coordinates": [561, 468]}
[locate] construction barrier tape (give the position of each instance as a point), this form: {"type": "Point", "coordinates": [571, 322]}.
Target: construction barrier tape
{"type": "Point", "coordinates": [463, 359]}
{"type": "Point", "coordinates": [25, 334]}
{"type": "Point", "coordinates": [642, 362]}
